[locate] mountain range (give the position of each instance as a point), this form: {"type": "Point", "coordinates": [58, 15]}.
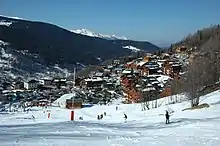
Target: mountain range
{"type": "Point", "coordinates": [99, 35]}
{"type": "Point", "coordinates": [55, 45]}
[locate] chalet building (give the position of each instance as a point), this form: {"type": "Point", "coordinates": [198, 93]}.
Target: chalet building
{"type": "Point", "coordinates": [181, 49]}
{"type": "Point", "coordinates": [153, 70]}
{"type": "Point", "coordinates": [130, 65]}
{"type": "Point", "coordinates": [176, 67]}
{"type": "Point", "coordinates": [133, 96]}
{"type": "Point", "coordinates": [126, 81]}
{"type": "Point", "coordinates": [74, 103]}
{"type": "Point", "coordinates": [43, 102]}
{"type": "Point", "coordinates": [19, 85]}
{"type": "Point", "coordinates": [31, 85]}
{"type": "Point", "coordinates": [78, 81]}
{"type": "Point", "coordinates": [98, 74]}
{"type": "Point", "coordinates": [152, 64]}
{"type": "Point", "coordinates": [148, 68]}
{"type": "Point", "coordinates": [118, 70]}
{"type": "Point", "coordinates": [144, 71]}
{"type": "Point", "coordinates": [165, 56]}
{"type": "Point", "coordinates": [146, 58]}
{"type": "Point", "coordinates": [141, 64]}
{"type": "Point", "coordinates": [94, 82]}
{"type": "Point", "coordinates": [59, 82]}
{"type": "Point", "coordinates": [116, 62]}
{"type": "Point", "coordinates": [46, 81]}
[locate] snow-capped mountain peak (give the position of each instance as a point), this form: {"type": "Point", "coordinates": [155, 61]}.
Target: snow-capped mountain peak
{"type": "Point", "coordinates": [94, 34]}
{"type": "Point", "coordinates": [12, 17]}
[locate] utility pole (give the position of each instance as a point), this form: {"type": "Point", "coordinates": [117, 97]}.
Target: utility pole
{"type": "Point", "coordinates": [74, 77]}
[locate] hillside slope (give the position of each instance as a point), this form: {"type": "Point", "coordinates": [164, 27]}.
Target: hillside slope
{"type": "Point", "coordinates": [202, 55]}
{"type": "Point", "coordinates": [202, 39]}
{"type": "Point", "coordinates": [190, 127]}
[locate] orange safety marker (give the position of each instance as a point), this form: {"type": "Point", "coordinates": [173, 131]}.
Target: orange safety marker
{"type": "Point", "coordinates": [72, 115]}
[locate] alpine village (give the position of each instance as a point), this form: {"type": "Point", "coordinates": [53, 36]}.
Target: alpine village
{"type": "Point", "coordinates": [140, 77]}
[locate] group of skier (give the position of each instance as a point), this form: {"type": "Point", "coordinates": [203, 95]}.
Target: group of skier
{"type": "Point", "coordinates": [167, 116]}
{"type": "Point", "coordinates": [100, 117]}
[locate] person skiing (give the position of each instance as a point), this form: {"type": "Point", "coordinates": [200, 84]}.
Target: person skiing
{"type": "Point", "coordinates": [33, 117]}
{"type": "Point", "coordinates": [125, 116]}
{"type": "Point", "coordinates": [167, 117]}
{"type": "Point", "coordinates": [101, 116]}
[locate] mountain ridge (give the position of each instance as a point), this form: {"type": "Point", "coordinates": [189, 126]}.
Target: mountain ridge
{"type": "Point", "coordinates": [58, 45]}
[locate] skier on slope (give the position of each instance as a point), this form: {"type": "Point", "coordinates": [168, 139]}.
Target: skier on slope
{"type": "Point", "coordinates": [125, 116]}
{"type": "Point", "coordinates": [167, 117]}
{"type": "Point", "coordinates": [33, 117]}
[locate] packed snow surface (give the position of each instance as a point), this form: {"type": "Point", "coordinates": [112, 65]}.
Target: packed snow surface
{"type": "Point", "coordinates": [131, 48]}
{"type": "Point", "coordinates": [142, 128]}
{"type": "Point", "coordinates": [5, 23]}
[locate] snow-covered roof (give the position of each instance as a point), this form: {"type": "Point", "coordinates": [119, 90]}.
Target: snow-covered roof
{"type": "Point", "coordinates": [149, 85]}
{"type": "Point", "coordinates": [47, 78]}
{"type": "Point", "coordinates": [138, 85]}
{"type": "Point", "coordinates": [161, 60]}
{"type": "Point", "coordinates": [130, 62]}
{"type": "Point", "coordinates": [176, 65]}
{"type": "Point", "coordinates": [107, 70]}
{"type": "Point", "coordinates": [126, 71]}
{"type": "Point", "coordinates": [94, 79]}
{"type": "Point", "coordinates": [136, 71]}
{"type": "Point", "coordinates": [155, 82]}
{"type": "Point", "coordinates": [153, 67]}
{"type": "Point", "coordinates": [141, 63]}
{"type": "Point", "coordinates": [166, 54]}
{"type": "Point", "coordinates": [109, 66]}
{"type": "Point", "coordinates": [99, 74]}
{"type": "Point", "coordinates": [149, 89]}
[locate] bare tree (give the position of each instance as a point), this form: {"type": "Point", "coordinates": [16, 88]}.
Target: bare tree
{"type": "Point", "coordinates": [193, 82]}
{"type": "Point", "coordinates": [176, 88]}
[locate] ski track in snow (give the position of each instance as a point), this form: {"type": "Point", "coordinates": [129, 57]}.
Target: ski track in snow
{"type": "Point", "coordinates": [194, 128]}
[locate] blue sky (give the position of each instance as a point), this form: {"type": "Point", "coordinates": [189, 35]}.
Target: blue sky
{"type": "Point", "coordinates": [158, 21]}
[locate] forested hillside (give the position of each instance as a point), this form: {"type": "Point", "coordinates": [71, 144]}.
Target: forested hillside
{"type": "Point", "coordinates": [203, 71]}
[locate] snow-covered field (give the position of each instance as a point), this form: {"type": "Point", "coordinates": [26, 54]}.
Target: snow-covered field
{"type": "Point", "coordinates": [143, 128]}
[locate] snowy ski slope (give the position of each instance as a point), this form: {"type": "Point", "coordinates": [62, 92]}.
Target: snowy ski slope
{"type": "Point", "coordinates": [187, 128]}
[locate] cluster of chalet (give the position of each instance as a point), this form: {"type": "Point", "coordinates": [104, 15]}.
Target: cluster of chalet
{"type": "Point", "coordinates": [150, 74]}
{"type": "Point", "coordinates": [132, 78]}
{"type": "Point", "coordinates": [135, 75]}
{"type": "Point", "coordinates": [100, 86]}
{"type": "Point", "coordinates": [144, 73]}
{"type": "Point", "coordinates": [36, 92]}
{"type": "Point", "coordinates": [33, 84]}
